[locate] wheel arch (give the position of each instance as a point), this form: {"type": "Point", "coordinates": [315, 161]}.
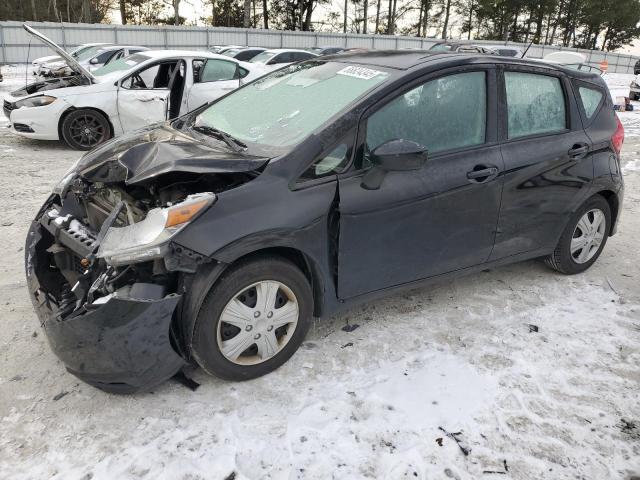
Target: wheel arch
{"type": "Point", "coordinates": [614, 204]}
{"type": "Point", "coordinates": [196, 286]}
{"type": "Point", "coordinates": [73, 109]}
{"type": "Point", "coordinates": [303, 261]}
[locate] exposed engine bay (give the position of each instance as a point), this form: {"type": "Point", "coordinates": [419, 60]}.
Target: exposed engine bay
{"type": "Point", "coordinates": [87, 221]}
{"type": "Point", "coordinates": [51, 84]}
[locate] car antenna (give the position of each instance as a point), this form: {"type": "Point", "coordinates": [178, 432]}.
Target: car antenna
{"type": "Point", "coordinates": [525, 52]}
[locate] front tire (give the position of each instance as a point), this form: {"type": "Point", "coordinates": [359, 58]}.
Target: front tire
{"type": "Point", "coordinates": [253, 319]}
{"type": "Point", "coordinates": [85, 129]}
{"type": "Point", "coordinates": [583, 238]}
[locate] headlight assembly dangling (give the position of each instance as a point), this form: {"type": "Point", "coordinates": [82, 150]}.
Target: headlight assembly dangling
{"type": "Point", "coordinates": [149, 238]}
{"type": "Point", "coordinates": [39, 101]}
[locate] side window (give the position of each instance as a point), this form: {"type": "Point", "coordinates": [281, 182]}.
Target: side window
{"type": "Point", "coordinates": [535, 104]}
{"type": "Point", "coordinates": [216, 70]}
{"type": "Point", "coordinates": [154, 76]}
{"type": "Point", "coordinates": [282, 58]}
{"type": "Point", "coordinates": [332, 162]}
{"type": "Point", "coordinates": [299, 56]}
{"type": "Point", "coordinates": [197, 69]}
{"type": "Point", "coordinates": [443, 114]}
{"type": "Point", "coordinates": [590, 98]}
{"type": "Point", "coordinates": [105, 56]}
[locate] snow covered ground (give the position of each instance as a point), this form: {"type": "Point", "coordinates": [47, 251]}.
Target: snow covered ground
{"type": "Point", "coordinates": [383, 400]}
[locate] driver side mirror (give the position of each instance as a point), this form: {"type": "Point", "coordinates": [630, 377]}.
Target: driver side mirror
{"type": "Point", "coordinates": [393, 156]}
{"type": "Point", "coordinates": [93, 61]}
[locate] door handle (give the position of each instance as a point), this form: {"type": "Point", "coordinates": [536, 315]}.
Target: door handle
{"type": "Point", "coordinates": [482, 173]}
{"type": "Point", "coordinates": [579, 150]}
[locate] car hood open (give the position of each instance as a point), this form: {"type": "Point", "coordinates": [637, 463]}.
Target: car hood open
{"type": "Point", "coordinates": [158, 150]}
{"type": "Point", "coordinates": [72, 62]}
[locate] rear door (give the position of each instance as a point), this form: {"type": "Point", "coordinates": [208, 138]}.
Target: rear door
{"type": "Point", "coordinates": [431, 221]}
{"type": "Point", "coordinates": [213, 79]}
{"type": "Point", "coordinates": [546, 154]}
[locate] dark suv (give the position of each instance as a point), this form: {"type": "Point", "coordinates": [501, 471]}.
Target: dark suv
{"type": "Point", "coordinates": [216, 239]}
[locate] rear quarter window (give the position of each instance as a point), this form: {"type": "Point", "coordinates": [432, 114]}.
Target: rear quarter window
{"type": "Point", "coordinates": [590, 99]}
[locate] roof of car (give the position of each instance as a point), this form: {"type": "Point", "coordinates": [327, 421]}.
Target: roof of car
{"type": "Point", "coordinates": [280, 50]}
{"type": "Point", "coordinates": [407, 59]}
{"type": "Point", "coordinates": [182, 53]}
{"type": "Point", "coordinates": [119, 47]}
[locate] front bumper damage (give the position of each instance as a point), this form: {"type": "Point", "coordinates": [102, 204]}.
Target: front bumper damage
{"type": "Point", "coordinates": [121, 342]}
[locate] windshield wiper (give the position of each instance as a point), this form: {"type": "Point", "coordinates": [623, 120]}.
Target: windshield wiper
{"type": "Point", "coordinates": [233, 143]}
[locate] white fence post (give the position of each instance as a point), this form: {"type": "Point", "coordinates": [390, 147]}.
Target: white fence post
{"type": "Point", "coordinates": [4, 49]}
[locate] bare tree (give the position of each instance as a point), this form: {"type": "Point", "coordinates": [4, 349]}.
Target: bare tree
{"type": "Point", "coordinates": [265, 13]}
{"type": "Point", "coordinates": [123, 12]}
{"type": "Point", "coordinates": [344, 24]}
{"type": "Point", "coordinates": [447, 12]}
{"type": "Point", "coordinates": [247, 14]}
{"type": "Point", "coordinates": [366, 16]}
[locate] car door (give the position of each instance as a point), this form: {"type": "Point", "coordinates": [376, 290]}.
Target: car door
{"type": "Point", "coordinates": [546, 154]}
{"type": "Point", "coordinates": [212, 80]}
{"type": "Point", "coordinates": [143, 96]}
{"type": "Point", "coordinates": [434, 220]}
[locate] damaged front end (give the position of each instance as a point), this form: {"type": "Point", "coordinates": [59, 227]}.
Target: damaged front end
{"type": "Point", "coordinates": [104, 274]}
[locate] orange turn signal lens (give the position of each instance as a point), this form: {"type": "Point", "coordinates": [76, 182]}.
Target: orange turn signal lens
{"type": "Point", "coordinates": [183, 213]}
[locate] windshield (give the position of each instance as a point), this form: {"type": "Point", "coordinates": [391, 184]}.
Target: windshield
{"type": "Point", "coordinates": [441, 47]}
{"type": "Point", "coordinates": [231, 52]}
{"type": "Point", "coordinates": [88, 53]}
{"type": "Point", "coordinates": [288, 105]}
{"type": "Point", "coordinates": [79, 51]}
{"type": "Point", "coordinates": [263, 57]}
{"type": "Point", "coordinates": [121, 64]}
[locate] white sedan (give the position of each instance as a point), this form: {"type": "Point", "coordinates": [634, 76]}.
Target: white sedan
{"type": "Point", "coordinates": [91, 59]}
{"type": "Point", "coordinates": [87, 109]}
{"type": "Point", "coordinates": [280, 57]}
{"type": "Point", "coordinates": [39, 62]}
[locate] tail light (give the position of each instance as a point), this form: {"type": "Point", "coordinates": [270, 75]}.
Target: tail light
{"type": "Point", "coordinates": [618, 137]}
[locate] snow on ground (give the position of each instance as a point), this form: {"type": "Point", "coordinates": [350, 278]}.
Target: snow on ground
{"type": "Point", "coordinates": [559, 402]}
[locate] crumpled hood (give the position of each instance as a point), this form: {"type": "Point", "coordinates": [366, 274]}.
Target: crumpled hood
{"type": "Point", "coordinates": [161, 149]}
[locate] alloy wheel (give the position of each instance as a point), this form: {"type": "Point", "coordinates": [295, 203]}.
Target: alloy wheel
{"type": "Point", "coordinates": [257, 322]}
{"type": "Point", "coordinates": [588, 235]}
{"type": "Point", "coordinates": [87, 131]}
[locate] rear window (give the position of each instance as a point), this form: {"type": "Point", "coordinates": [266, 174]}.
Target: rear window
{"type": "Point", "coordinates": [590, 98]}
{"type": "Point", "coordinates": [535, 104]}
{"type": "Point", "coordinates": [263, 57]}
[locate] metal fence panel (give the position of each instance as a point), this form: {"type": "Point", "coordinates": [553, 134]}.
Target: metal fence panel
{"type": "Point", "coordinates": [264, 38]}
{"type": "Point", "coordinates": [14, 41]}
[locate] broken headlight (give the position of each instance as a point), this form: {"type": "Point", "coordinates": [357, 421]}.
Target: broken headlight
{"type": "Point", "coordinates": [149, 238]}
{"type": "Point", "coordinates": [39, 101]}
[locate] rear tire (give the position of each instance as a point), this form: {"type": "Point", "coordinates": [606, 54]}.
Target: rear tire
{"type": "Point", "coordinates": [85, 129]}
{"type": "Point", "coordinates": [583, 239]}
{"type": "Point", "coordinates": [253, 319]}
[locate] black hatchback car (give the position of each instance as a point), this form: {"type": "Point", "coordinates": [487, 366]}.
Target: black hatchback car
{"type": "Point", "coordinates": [216, 239]}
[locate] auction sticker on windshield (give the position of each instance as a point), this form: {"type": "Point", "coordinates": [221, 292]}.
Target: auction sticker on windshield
{"type": "Point", "coordinates": [359, 72]}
